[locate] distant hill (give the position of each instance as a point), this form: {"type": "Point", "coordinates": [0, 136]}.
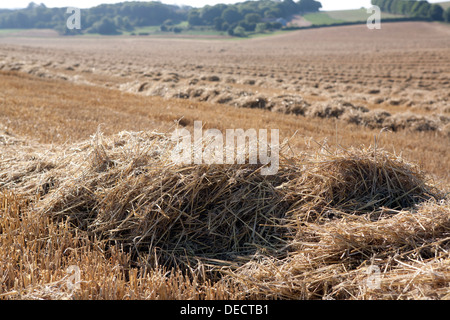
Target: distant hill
{"type": "Point", "coordinates": [239, 19]}
{"type": "Point", "coordinates": [130, 17]}
{"type": "Point", "coordinates": [397, 10]}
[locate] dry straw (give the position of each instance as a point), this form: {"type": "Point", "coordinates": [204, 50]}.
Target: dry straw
{"type": "Point", "coordinates": [317, 223]}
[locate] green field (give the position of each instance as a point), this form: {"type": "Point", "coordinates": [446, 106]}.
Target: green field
{"type": "Point", "coordinates": [6, 31]}
{"type": "Point", "coordinates": [357, 15]}
{"type": "Point", "coordinates": [340, 16]}
{"type": "Point", "coordinates": [445, 5]}
{"type": "Point", "coordinates": [206, 31]}
{"type": "Point", "coordinates": [147, 29]}
{"type": "Point", "coordinates": [320, 18]}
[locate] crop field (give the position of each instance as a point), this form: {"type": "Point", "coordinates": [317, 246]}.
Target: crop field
{"type": "Point", "coordinates": [92, 206]}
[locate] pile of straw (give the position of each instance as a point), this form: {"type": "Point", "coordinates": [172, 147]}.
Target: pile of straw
{"type": "Point", "coordinates": [127, 191]}
{"type": "Point", "coordinates": [358, 181]}
{"type": "Point", "coordinates": [336, 259]}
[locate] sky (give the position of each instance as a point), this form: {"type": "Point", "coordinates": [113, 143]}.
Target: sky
{"type": "Point", "coordinates": [326, 4]}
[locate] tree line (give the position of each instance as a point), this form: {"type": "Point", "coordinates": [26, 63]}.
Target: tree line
{"type": "Point", "coordinates": [249, 16]}
{"type": "Point", "coordinates": [415, 9]}
{"type": "Point", "coordinates": [236, 19]}
{"type": "Point", "coordinates": [103, 19]}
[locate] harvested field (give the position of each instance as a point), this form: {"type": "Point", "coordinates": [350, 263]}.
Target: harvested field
{"type": "Point", "coordinates": [87, 180]}
{"type": "Point", "coordinates": [310, 74]}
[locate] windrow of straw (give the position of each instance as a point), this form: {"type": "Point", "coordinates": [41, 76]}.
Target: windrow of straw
{"type": "Point", "coordinates": [295, 104]}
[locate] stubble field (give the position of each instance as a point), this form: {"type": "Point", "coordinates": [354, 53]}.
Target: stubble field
{"type": "Point", "coordinates": [85, 178]}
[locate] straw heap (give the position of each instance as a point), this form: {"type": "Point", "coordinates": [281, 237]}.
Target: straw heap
{"type": "Point", "coordinates": [126, 190]}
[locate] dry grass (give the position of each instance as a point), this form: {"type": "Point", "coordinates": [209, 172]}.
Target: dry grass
{"type": "Point", "coordinates": [333, 260]}
{"type": "Point", "coordinates": [86, 179]}
{"type": "Point", "coordinates": [69, 113]}
{"type": "Point", "coordinates": [36, 254]}
{"type": "Point", "coordinates": [223, 231]}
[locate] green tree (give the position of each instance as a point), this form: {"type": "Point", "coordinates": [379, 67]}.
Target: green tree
{"type": "Point", "coordinates": [194, 18]}
{"type": "Point", "coordinates": [273, 13]}
{"type": "Point", "coordinates": [387, 6]}
{"type": "Point", "coordinates": [247, 26]}
{"type": "Point", "coordinates": [126, 24]}
{"type": "Point", "coordinates": [209, 13]}
{"type": "Point", "coordinates": [396, 6]}
{"type": "Point", "coordinates": [118, 21]}
{"type": "Point", "coordinates": [106, 26]}
{"type": "Point", "coordinates": [231, 15]}
{"type": "Point", "coordinates": [420, 9]}
{"type": "Point", "coordinates": [308, 6]}
{"type": "Point", "coordinates": [406, 7]}
{"type": "Point", "coordinates": [248, 7]}
{"type": "Point", "coordinates": [436, 13]}
{"type": "Point", "coordinates": [22, 20]}
{"type": "Point", "coordinates": [225, 27]}
{"type": "Point", "coordinates": [252, 18]}
{"type": "Point", "coordinates": [219, 24]}
{"type": "Point", "coordinates": [261, 27]}
{"type": "Point", "coordinates": [275, 25]}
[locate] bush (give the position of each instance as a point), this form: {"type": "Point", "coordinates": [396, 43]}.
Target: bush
{"type": "Point", "coordinates": [260, 28]}
{"type": "Point", "coordinates": [249, 27]}
{"type": "Point", "coordinates": [239, 31]}
{"type": "Point", "coordinates": [106, 26]}
{"type": "Point", "coordinates": [168, 22]}
{"type": "Point", "coordinates": [275, 25]}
